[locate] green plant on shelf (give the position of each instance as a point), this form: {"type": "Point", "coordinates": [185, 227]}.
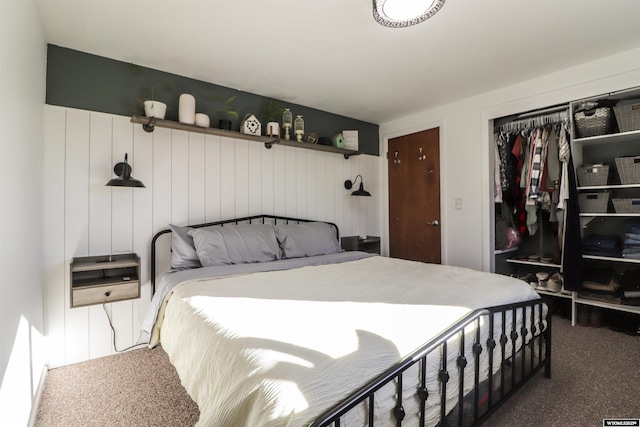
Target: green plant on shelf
{"type": "Point", "coordinates": [149, 89]}
{"type": "Point", "coordinates": [224, 106]}
{"type": "Point", "coordinates": [271, 111]}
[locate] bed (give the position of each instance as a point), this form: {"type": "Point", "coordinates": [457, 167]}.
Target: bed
{"type": "Point", "coordinates": [269, 323]}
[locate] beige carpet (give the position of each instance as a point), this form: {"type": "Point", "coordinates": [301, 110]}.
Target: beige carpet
{"type": "Point", "coordinates": [595, 375]}
{"type": "Point", "coordinates": [136, 388]}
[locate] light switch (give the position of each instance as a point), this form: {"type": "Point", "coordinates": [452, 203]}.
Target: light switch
{"type": "Point", "coordinates": [458, 202]}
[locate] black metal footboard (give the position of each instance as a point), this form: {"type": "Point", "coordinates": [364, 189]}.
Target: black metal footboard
{"type": "Point", "coordinates": [500, 348]}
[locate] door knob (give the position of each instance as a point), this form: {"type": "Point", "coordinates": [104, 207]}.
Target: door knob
{"type": "Point", "coordinates": [435, 223]}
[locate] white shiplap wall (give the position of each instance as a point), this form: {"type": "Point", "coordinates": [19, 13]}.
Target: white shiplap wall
{"type": "Point", "coordinates": [190, 178]}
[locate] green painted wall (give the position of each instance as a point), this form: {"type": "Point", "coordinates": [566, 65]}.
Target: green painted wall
{"type": "Point", "coordinates": [89, 82]}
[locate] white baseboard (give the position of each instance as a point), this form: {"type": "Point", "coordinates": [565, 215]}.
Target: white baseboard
{"type": "Point", "coordinates": [33, 417]}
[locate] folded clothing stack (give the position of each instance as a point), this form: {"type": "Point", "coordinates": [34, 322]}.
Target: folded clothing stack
{"type": "Point", "coordinates": [600, 284]}
{"type": "Point", "coordinates": [631, 246]}
{"type": "Point", "coordinates": [601, 245]}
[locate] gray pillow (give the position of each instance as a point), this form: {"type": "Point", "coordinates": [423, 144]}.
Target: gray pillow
{"type": "Point", "coordinates": [238, 244]}
{"type": "Point", "coordinates": [307, 239]}
{"type": "Point", "coordinates": [183, 252]}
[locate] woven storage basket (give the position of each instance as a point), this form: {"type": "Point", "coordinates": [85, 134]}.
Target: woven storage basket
{"type": "Point", "coordinates": [595, 122]}
{"type": "Point", "coordinates": [626, 205]}
{"type": "Point", "coordinates": [628, 115]}
{"type": "Point", "coordinates": [629, 169]}
{"type": "Point", "coordinates": [594, 202]}
{"type": "Point", "coordinates": [593, 175]}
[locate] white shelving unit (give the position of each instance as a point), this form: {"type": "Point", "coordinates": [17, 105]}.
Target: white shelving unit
{"type": "Point", "coordinates": [604, 149]}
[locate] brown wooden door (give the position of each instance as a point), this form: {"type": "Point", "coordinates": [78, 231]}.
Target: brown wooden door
{"type": "Point", "coordinates": [414, 196]}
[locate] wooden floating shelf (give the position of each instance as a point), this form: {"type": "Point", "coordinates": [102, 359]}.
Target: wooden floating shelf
{"type": "Point", "coordinates": [150, 123]}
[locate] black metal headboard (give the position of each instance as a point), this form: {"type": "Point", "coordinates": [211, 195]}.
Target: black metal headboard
{"type": "Point", "coordinates": [255, 219]}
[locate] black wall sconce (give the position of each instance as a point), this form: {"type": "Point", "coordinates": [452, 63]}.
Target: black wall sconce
{"type": "Point", "coordinates": [124, 179]}
{"type": "Point", "coordinates": [360, 191]}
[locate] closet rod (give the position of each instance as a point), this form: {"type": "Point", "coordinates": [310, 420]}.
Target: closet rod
{"type": "Point", "coordinates": [555, 109]}
{"type": "Point", "coordinates": [534, 121]}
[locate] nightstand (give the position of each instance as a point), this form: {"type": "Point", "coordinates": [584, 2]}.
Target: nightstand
{"type": "Point", "coordinates": [102, 279]}
{"type": "Point", "coordinates": [370, 244]}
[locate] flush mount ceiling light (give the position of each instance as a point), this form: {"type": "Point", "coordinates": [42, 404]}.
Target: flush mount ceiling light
{"type": "Point", "coordinates": [404, 13]}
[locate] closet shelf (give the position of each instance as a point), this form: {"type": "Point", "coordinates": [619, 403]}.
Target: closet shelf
{"type": "Point", "coordinates": [608, 187]}
{"type": "Point", "coordinates": [149, 123]}
{"type": "Point", "coordinates": [538, 263]}
{"type": "Point", "coordinates": [609, 258]}
{"type": "Point", "coordinates": [554, 294]}
{"type": "Point", "coordinates": [505, 251]}
{"type": "Point", "coordinates": [609, 305]}
{"type": "Point", "coordinates": [608, 214]}
{"type": "Point", "coordinates": [614, 138]}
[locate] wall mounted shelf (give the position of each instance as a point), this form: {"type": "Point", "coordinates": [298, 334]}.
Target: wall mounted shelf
{"type": "Point", "coordinates": [104, 279]}
{"type": "Point", "coordinates": [149, 125]}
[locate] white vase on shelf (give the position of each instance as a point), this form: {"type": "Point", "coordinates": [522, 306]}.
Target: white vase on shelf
{"type": "Point", "coordinates": [202, 120]}
{"type": "Point", "coordinates": [187, 109]}
{"type": "Point", "coordinates": [155, 109]}
{"type": "Point", "coordinates": [272, 129]}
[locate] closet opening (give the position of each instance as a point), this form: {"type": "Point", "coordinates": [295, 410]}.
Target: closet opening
{"type": "Point", "coordinates": [531, 162]}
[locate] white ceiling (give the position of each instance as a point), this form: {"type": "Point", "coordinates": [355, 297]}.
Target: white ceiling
{"type": "Point", "coordinates": [332, 55]}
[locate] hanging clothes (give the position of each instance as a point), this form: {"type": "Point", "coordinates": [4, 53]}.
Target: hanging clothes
{"type": "Point", "coordinates": [520, 216]}
{"type": "Point", "coordinates": [531, 172]}
{"type": "Point", "coordinates": [496, 170]}
{"type": "Point", "coordinates": [538, 186]}
{"type": "Point", "coordinates": [564, 154]}
{"type": "Point", "coordinates": [572, 254]}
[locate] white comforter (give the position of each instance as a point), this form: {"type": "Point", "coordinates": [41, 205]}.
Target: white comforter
{"type": "Point", "coordinates": [278, 348]}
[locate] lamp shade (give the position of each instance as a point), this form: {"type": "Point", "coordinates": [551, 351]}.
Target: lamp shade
{"type": "Point", "coordinates": [348, 184]}
{"type": "Point", "coordinates": [361, 191]}
{"type": "Point", "coordinates": [124, 179]}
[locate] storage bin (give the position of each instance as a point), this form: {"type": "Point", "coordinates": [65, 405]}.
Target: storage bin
{"type": "Point", "coordinates": [628, 169]}
{"type": "Point", "coordinates": [627, 205]}
{"type": "Point", "coordinates": [594, 122]}
{"type": "Point", "coordinates": [593, 175]}
{"type": "Point", "coordinates": [594, 202]}
{"type": "Point", "coordinates": [628, 115]}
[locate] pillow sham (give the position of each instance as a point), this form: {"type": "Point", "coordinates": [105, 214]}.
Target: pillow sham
{"type": "Point", "coordinates": [237, 244]}
{"type": "Point", "coordinates": [183, 251]}
{"type": "Point", "coordinates": [307, 239]}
